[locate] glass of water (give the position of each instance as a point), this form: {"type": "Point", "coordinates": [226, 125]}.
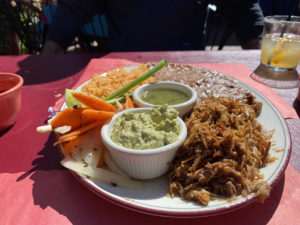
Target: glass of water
{"type": "Point", "coordinates": [280, 52]}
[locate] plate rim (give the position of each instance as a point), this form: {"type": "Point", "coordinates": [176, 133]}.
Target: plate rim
{"type": "Point", "coordinates": [192, 214]}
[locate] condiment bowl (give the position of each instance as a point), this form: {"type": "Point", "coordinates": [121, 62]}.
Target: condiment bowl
{"type": "Point", "coordinates": [10, 98]}
{"type": "Point", "coordinates": [182, 108]}
{"type": "Point", "coordinates": [142, 164]}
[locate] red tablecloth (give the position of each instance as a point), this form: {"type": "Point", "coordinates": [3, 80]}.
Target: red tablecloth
{"type": "Point", "coordinates": [35, 189]}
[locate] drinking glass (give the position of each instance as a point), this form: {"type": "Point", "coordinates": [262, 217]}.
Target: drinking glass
{"type": "Point", "coordinates": [280, 52]}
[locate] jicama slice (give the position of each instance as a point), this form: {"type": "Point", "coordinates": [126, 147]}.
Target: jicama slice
{"type": "Point", "coordinates": [119, 106]}
{"type": "Point", "coordinates": [62, 130]}
{"type": "Point", "coordinates": [102, 175]}
{"type": "Point", "coordinates": [44, 129]}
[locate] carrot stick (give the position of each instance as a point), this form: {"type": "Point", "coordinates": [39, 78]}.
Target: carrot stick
{"type": "Point", "coordinates": [68, 147]}
{"type": "Point", "coordinates": [81, 130]}
{"type": "Point", "coordinates": [129, 103]}
{"type": "Point", "coordinates": [93, 102]}
{"type": "Point", "coordinates": [101, 161]}
{"type": "Point", "coordinates": [71, 138]}
{"type": "Point", "coordinates": [68, 117]}
{"type": "Point", "coordinates": [73, 135]}
{"type": "Point", "coordinates": [92, 115]}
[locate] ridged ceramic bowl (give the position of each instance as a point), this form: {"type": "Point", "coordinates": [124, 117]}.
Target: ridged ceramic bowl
{"type": "Point", "coordinates": [182, 108]}
{"type": "Point", "coordinates": [142, 164]}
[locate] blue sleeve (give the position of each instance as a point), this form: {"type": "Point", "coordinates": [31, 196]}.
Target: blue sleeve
{"type": "Point", "coordinates": [69, 17]}
{"type": "Point", "coordinates": [245, 17]}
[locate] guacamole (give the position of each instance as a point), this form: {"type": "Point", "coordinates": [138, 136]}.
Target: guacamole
{"type": "Point", "coordinates": [147, 130]}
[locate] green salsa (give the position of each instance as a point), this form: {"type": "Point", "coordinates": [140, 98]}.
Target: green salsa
{"type": "Point", "coordinates": [160, 96]}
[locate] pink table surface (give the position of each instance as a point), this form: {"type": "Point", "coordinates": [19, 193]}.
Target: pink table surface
{"type": "Point", "coordinates": [35, 189]}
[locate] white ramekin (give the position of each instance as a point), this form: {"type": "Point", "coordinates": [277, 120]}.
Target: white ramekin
{"type": "Point", "coordinates": [182, 108]}
{"type": "Point", "coordinates": [142, 164]}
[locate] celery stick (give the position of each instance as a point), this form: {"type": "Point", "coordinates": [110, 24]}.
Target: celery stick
{"type": "Point", "coordinates": [120, 99]}
{"type": "Point", "coordinates": [127, 87]}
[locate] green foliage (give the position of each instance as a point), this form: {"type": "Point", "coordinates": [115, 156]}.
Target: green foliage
{"type": "Point", "coordinates": [20, 27]}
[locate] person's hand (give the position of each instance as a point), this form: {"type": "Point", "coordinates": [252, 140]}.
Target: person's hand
{"type": "Point", "coordinates": [252, 44]}
{"type": "Point", "coordinates": [50, 47]}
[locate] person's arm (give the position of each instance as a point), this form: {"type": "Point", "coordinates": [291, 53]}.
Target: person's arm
{"type": "Point", "coordinates": [246, 18]}
{"type": "Point", "coordinates": [67, 21]}
{"type": "Point", "coordinates": [50, 47]}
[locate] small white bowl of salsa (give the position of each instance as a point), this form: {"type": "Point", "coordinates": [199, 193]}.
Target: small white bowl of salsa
{"type": "Point", "coordinates": [176, 95]}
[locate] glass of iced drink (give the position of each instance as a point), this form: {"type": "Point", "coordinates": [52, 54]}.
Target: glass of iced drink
{"type": "Point", "coordinates": [280, 51]}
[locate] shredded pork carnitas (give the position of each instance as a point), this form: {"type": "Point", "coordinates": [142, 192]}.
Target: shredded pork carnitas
{"type": "Point", "coordinates": [222, 154]}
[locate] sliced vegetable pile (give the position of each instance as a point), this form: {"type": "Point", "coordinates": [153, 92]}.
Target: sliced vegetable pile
{"type": "Point", "coordinates": [94, 112]}
{"type": "Point", "coordinates": [78, 130]}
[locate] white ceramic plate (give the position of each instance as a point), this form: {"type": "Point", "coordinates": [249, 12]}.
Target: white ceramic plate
{"type": "Point", "coordinates": [153, 199]}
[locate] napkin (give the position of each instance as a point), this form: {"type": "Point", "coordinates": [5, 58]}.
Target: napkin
{"type": "Point", "coordinates": [238, 71]}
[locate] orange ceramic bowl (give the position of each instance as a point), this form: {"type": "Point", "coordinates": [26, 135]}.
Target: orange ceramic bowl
{"type": "Point", "coordinates": [10, 98]}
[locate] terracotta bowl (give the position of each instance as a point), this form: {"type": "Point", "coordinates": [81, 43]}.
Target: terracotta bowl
{"type": "Point", "coordinates": [10, 98]}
